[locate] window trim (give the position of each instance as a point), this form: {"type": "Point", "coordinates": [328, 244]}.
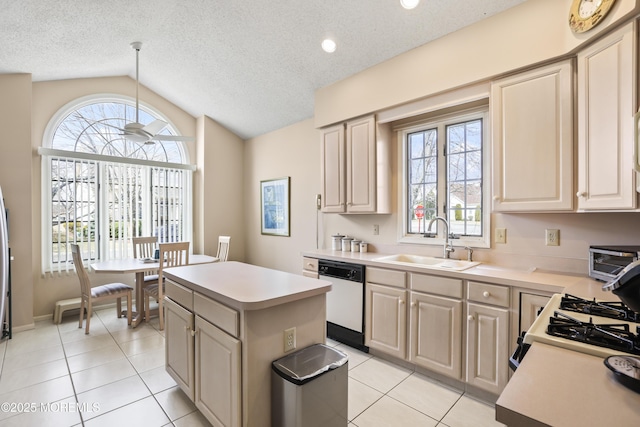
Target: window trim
{"type": "Point", "coordinates": [440, 121]}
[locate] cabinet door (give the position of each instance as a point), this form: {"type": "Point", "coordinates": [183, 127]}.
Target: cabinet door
{"type": "Point", "coordinates": [386, 319]}
{"type": "Point", "coordinates": [605, 123]}
{"type": "Point", "coordinates": [530, 305]}
{"type": "Point", "coordinates": [487, 347]}
{"type": "Point", "coordinates": [179, 355]}
{"type": "Point", "coordinates": [218, 375]}
{"type": "Point", "coordinates": [333, 169]}
{"type": "Point", "coordinates": [361, 165]}
{"type": "Point", "coordinates": [532, 140]}
{"type": "Point", "coordinates": [436, 334]}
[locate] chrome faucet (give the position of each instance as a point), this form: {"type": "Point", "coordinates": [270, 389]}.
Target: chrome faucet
{"type": "Point", "coordinates": [447, 245]}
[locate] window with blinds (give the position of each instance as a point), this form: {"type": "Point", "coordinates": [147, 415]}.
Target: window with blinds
{"type": "Point", "coordinates": [101, 190]}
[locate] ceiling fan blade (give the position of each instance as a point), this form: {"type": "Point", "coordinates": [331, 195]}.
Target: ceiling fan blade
{"type": "Point", "coordinates": [173, 138]}
{"type": "Point", "coordinates": [154, 127]}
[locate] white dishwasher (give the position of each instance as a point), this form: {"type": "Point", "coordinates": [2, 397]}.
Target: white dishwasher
{"type": "Point", "coordinates": [345, 302]}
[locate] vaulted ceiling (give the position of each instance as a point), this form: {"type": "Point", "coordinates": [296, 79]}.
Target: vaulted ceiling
{"type": "Point", "coordinates": [251, 65]}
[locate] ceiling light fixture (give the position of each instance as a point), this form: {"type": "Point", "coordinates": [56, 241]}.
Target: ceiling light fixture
{"type": "Point", "coordinates": [328, 45]}
{"type": "Point", "coordinates": [409, 4]}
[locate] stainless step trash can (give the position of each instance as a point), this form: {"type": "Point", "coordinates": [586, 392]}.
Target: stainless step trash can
{"type": "Point", "coordinates": [309, 388]}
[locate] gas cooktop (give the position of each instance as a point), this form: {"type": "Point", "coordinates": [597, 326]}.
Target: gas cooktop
{"type": "Point", "coordinates": [594, 327]}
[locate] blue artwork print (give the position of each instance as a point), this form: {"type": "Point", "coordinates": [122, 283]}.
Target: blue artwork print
{"type": "Point", "coordinates": [275, 207]}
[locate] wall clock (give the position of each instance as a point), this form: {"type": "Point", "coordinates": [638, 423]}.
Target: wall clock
{"type": "Point", "coordinates": [586, 14]}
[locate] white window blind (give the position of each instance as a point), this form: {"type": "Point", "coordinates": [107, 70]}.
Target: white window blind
{"type": "Point", "coordinates": [101, 205]}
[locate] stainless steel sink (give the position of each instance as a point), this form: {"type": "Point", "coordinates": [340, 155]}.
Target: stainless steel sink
{"type": "Point", "coordinates": [427, 262]}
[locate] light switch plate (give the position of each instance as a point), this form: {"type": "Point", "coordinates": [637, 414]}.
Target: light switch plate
{"type": "Point", "coordinates": [501, 235]}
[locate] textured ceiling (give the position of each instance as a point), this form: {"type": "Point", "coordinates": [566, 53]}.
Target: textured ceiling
{"type": "Point", "coordinates": [251, 65]}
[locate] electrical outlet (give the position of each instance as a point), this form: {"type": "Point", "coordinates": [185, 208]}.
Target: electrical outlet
{"type": "Point", "coordinates": [376, 229]}
{"type": "Point", "coordinates": [552, 237]}
{"type": "Point", "coordinates": [289, 339]}
{"type": "Point", "coordinates": [501, 235]}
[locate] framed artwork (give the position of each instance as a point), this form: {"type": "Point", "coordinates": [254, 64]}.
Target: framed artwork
{"type": "Point", "coordinates": [274, 198]}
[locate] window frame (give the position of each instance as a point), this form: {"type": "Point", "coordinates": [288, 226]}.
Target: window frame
{"type": "Point", "coordinates": [440, 122]}
{"type": "Point", "coordinates": [102, 163]}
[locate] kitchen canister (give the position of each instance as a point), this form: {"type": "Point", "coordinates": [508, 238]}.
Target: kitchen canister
{"type": "Point", "coordinates": [364, 246]}
{"type": "Point", "coordinates": [336, 242]}
{"type": "Point", "coordinates": [346, 243]}
{"type": "Point", "coordinates": [355, 245]}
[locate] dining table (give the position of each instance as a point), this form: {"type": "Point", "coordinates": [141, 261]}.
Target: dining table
{"type": "Point", "coordinates": [140, 267]}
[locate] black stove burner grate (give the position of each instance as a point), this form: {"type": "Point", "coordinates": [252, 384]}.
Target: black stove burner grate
{"type": "Point", "coordinates": [610, 309]}
{"type": "Point", "coordinates": [617, 337]}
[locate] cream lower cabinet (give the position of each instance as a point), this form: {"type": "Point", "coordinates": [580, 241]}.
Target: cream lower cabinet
{"type": "Point", "coordinates": [435, 330]}
{"type": "Point", "coordinates": [179, 358]}
{"type": "Point", "coordinates": [217, 374]}
{"type": "Point", "coordinates": [436, 334]}
{"type": "Point", "coordinates": [487, 364]}
{"type": "Point", "coordinates": [386, 311]}
{"type": "Point", "coordinates": [387, 314]}
{"type": "Point", "coordinates": [204, 360]}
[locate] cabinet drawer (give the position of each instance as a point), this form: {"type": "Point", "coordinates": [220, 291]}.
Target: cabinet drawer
{"type": "Point", "coordinates": [386, 277]}
{"type": "Point", "coordinates": [220, 315]}
{"type": "Point", "coordinates": [311, 274]}
{"type": "Point", "coordinates": [444, 286]}
{"type": "Point", "coordinates": [310, 264]}
{"type": "Point", "coordinates": [179, 294]}
{"type": "Point", "coordinates": [488, 294]}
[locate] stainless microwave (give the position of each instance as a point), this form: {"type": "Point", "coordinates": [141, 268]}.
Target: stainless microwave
{"type": "Point", "coordinates": [605, 262]}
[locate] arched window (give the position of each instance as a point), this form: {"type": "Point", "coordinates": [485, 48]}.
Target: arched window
{"type": "Point", "coordinates": [100, 188]}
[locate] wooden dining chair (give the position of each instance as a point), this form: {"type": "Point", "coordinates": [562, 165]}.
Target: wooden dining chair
{"type": "Point", "coordinates": [90, 295]}
{"type": "Point", "coordinates": [173, 254]}
{"type": "Point", "coordinates": [145, 247]}
{"type": "Point", "coordinates": [223, 248]}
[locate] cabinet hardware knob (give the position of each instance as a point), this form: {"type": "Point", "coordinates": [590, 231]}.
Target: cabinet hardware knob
{"type": "Point", "coordinates": [413, 304]}
{"type": "Point", "coordinates": [581, 194]}
{"type": "Point", "coordinates": [486, 294]}
{"type": "Point", "coordinates": [470, 318]}
{"type": "Point", "coordinates": [400, 302]}
{"type": "Point", "coordinates": [496, 198]}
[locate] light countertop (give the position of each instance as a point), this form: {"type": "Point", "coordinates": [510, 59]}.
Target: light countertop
{"type": "Point", "coordinates": [534, 279]}
{"type": "Point", "coordinates": [558, 387]}
{"type": "Point", "coordinates": [245, 286]}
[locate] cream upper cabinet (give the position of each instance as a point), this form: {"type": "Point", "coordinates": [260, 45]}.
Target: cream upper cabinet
{"type": "Point", "coordinates": [532, 140]}
{"type": "Point", "coordinates": [332, 173]}
{"type": "Point", "coordinates": [606, 89]}
{"type": "Point", "coordinates": [355, 169]}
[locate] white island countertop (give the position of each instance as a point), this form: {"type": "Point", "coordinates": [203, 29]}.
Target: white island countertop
{"type": "Point", "coordinates": [245, 286]}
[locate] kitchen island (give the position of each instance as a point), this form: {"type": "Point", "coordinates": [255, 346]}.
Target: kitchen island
{"type": "Point", "coordinates": [225, 324]}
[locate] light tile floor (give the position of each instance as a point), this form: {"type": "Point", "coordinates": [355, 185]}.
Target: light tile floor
{"type": "Point", "coordinates": [55, 375]}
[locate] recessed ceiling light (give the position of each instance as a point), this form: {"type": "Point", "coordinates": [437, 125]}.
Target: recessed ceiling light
{"type": "Point", "coordinates": [409, 4]}
{"type": "Point", "coordinates": [328, 45]}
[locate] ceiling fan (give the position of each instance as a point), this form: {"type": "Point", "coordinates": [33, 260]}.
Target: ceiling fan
{"type": "Point", "coordinates": [147, 134]}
